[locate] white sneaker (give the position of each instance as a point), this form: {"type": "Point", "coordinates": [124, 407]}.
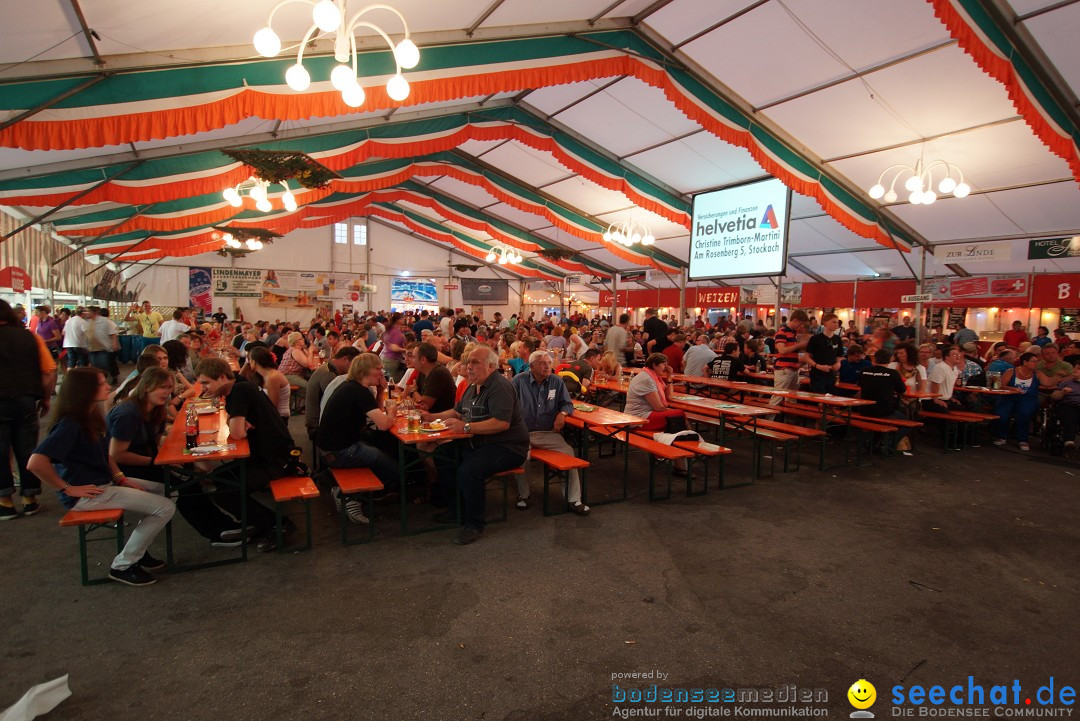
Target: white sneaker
{"type": "Point", "coordinates": [999, 441]}
{"type": "Point", "coordinates": [1025, 447]}
{"type": "Point", "coordinates": [335, 493]}
{"type": "Point", "coordinates": [1069, 445]}
{"type": "Point", "coordinates": [355, 511]}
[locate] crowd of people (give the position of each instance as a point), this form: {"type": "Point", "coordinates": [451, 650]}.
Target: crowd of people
{"type": "Point", "coordinates": [508, 383]}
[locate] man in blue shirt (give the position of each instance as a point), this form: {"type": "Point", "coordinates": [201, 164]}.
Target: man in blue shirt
{"type": "Point", "coordinates": [545, 404]}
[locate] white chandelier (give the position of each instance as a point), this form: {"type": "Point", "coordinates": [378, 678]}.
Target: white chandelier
{"type": "Point", "coordinates": [629, 233]}
{"type": "Point", "coordinates": [328, 16]}
{"type": "Point", "coordinates": [250, 244]}
{"type": "Point", "coordinates": [920, 182]}
{"type": "Point", "coordinates": [257, 189]}
{"type": "Point", "coordinates": [505, 254]}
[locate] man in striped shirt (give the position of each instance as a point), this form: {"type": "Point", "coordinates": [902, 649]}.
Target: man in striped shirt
{"type": "Point", "coordinates": [788, 347]}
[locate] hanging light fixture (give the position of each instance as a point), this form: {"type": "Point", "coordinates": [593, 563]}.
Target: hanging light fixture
{"type": "Point", "coordinates": [504, 254]}
{"type": "Point", "coordinates": [258, 190]}
{"type": "Point", "coordinates": [328, 16]}
{"type": "Point", "coordinates": [628, 233]}
{"type": "Point", "coordinates": [919, 182]}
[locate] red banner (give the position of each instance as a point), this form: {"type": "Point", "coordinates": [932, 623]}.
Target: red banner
{"type": "Point", "coordinates": [1056, 290]}
{"type": "Point", "coordinates": [15, 278]}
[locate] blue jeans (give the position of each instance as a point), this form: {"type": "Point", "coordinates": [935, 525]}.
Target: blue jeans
{"type": "Point", "coordinates": [476, 466]}
{"type": "Point", "coordinates": [1019, 407]}
{"type": "Point", "coordinates": [18, 434]}
{"type": "Point", "coordinates": [77, 357]}
{"type": "Point", "coordinates": [100, 359]}
{"type": "Point", "coordinates": [362, 455]}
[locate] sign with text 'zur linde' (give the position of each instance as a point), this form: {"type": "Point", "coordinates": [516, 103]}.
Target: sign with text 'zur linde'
{"type": "Point", "coordinates": [974, 252]}
{"type": "Point", "coordinates": [740, 232]}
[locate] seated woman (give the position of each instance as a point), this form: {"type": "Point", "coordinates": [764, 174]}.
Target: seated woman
{"type": "Point", "coordinates": [646, 397]}
{"type": "Point", "coordinates": [609, 364]}
{"type": "Point", "coordinates": [1018, 407]}
{"type": "Point", "coordinates": [135, 427]}
{"type": "Point", "coordinates": [157, 358]}
{"type": "Point", "coordinates": [87, 479]}
{"type": "Point", "coordinates": [296, 362]}
{"type": "Point", "coordinates": [178, 359]}
{"type": "Point", "coordinates": [522, 350]}
{"type": "Point", "coordinates": [352, 429]}
{"type": "Point", "coordinates": [274, 383]}
{"type": "Point", "coordinates": [907, 364]}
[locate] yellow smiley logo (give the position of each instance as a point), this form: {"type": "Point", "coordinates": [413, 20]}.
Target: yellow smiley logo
{"type": "Point", "coordinates": [862, 694]}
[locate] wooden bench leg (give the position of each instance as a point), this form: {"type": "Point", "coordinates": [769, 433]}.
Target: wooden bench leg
{"type": "Point", "coordinates": [279, 529]}
{"type": "Point", "coordinates": [553, 476]}
{"type": "Point", "coordinates": [690, 492]}
{"type": "Point", "coordinates": [84, 539]}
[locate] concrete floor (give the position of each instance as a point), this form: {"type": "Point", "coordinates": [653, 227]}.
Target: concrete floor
{"type": "Point", "coordinates": [916, 570]}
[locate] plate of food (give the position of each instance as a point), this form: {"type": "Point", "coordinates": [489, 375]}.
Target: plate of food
{"type": "Point", "coordinates": [584, 407]}
{"type": "Point", "coordinates": [205, 410]}
{"type": "Point", "coordinates": [435, 426]}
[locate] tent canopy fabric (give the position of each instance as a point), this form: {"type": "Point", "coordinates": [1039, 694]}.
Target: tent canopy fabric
{"type": "Point", "coordinates": [539, 124]}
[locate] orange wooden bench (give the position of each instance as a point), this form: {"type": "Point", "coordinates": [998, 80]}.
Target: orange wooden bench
{"type": "Point", "coordinates": [706, 451]}
{"type": "Point", "coordinates": [558, 465]}
{"type": "Point", "coordinates": [89, 521]}
{"type": "Point", "coordinates": [294, 400]}
{"type": "Point", "coordinates": [504, 477]}
{"type": "Point", "coordinates": [293, 488]}
{"type": "Point", "coordinates": [357, 482]}
{"type": "Point", "coordinates": [658, 452]}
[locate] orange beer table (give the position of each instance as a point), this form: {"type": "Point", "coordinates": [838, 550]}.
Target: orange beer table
{"type": "Point", "coordinates": [178, 461]}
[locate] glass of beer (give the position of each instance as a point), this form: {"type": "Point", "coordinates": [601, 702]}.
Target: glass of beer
{"type": "Point", "coordinates": [414, 422]}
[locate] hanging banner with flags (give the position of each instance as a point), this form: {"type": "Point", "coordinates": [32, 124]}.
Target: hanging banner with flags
{"type": "Point", "coordinates": [200, 285]}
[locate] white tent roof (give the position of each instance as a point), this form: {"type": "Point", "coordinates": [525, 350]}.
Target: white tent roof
{"type": "Point", "coordinates": [854, 86]}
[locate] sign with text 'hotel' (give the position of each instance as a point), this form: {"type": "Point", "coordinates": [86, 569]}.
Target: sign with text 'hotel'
{"type": "Point", "coordinates": [740, 232]}
{"type": "Point", "coordinates": [974, 252]}
{"type": "Point", "coordinates": [1051, 248]}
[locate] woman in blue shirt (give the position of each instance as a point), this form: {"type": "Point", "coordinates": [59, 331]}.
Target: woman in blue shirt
{"type": "Point", "coordinates": [1020, 406]}
{"type": "Point", "coordinates": [74, 459]}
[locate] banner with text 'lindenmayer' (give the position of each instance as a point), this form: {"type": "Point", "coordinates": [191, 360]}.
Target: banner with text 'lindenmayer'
{"type": "Point", "coordinates": [740, 232]}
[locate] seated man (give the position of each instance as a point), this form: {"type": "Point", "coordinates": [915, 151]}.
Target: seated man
{"type": "Point", "coordinates": [545, 404]}
{"type": "Point", "coordinates": [1067, 406]}
{"type": "Point", "coordinates": [943, 380]}
{"type": "Point", "coordinates": [886, 388]}
{"type": "Point", "coordinates": [435, 387]}
{"type": "Point", "coordinates": [696, 360]}
{"type": "Point", "coordinates": [491, 412]}
{"type": "Point", "coordinates": [853, 365]}
{"type": "Point", "coordinates": [580, 372]}
{"type": "Point", "coordinates": [1051, 369]}
{"type": "Point", "coordinates": [348, 429]}
{"type": "Point", "coordinates": [320, 381]}
{"type": "Point", "coordinates": [727, 367]}
{"type": "Point", "coordinates": [252, 416]}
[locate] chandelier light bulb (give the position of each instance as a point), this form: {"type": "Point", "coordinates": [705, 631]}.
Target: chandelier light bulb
{"type": "Point", "coordinates": [297, 78]}
{"type": "Point", "coordinates": [877, 191]}
{"type": "Point", "coordinates": [342, 76]}
{"type": "Point", "coordinates": [648, 240]}
{"type": "Point", "coordinates": [916, 197]}
{"type": "Point", "coordinates": [929, 197]}
{"type": "Point", "coordinates": [607, 236]}
{"type": "Point", "coordinates": [913, 184]}
{"type": "Point", "coordinates": [264, 205]}
{"type": "Point", "coordinates": [251, 243]}
{"type": "Point", "coordinates": [267, 43]}
{"type": "Point", "coordinates": [353, 95]}
{"type": "Point", "coordinates": [635, 238]}
{"type": "Point", "coordinates": [228, 237]}
{"type": "Point", "coordinates": [289, 201]}
{"type": "Point", "coordinates": [397, 87]}
{"type": "Point", "coordinates": [890, 197]}
{"type": "Point", "coordinates": [232, 197]}
{"type": "Point", "coordinates": [502, 259]}
{"type": "Point", "coordinates": [490, 257]}
{"type": "Point", "coordinates": [947, 185]}
{"type": "Point", "coordinates": [407, 54]}
{"type": "Point", "coordinates": [258, 192]}
{"type": "Point", "coordinates": [961, 190]}
{"type": "Point", "coordinates": [326, 16]}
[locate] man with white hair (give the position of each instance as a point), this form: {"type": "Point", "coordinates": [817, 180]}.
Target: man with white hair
{"type": "Point", "coordinates": [491, 413]}
{"type": "Point", "coordinates": [545, 404]}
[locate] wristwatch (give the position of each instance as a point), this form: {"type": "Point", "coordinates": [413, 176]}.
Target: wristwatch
{"type": "Point", "coordinates": [468, 427]}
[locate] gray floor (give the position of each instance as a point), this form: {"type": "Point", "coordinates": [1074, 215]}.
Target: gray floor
{"type": "Point", "coordinates": [916, 570]}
